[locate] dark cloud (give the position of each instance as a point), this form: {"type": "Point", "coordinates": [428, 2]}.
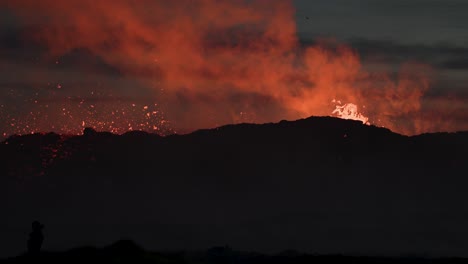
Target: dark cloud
{"type": "Point", "coordinates": [86, 62]}
{"type": "Point", "coordinates": [455, 64]}
{"type": "Point", "coordinates": [10, 40]}
{"type": "Point", "coordinates": [410, 22]}
{"type": "Point", "coordinates": [443, 55]}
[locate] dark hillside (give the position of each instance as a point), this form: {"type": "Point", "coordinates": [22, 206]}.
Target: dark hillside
{"type": "Point", "coordinates": [315, 185]}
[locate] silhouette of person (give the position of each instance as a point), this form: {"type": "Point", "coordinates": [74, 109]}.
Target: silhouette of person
{"type": "Point", "coordinates": [35, 238]}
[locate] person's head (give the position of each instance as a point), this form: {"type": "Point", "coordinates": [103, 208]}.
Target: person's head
{"type": "Point", "coordinates": [36, 225]}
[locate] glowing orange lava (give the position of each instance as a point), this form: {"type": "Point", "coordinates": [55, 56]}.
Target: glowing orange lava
{"type": "Point", "coordinates": [349, 111]}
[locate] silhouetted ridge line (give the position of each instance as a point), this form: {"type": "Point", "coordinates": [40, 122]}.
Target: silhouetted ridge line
{"type": "Point", "coordinates": [127, 251]}
{"type": "Point", "coordinates": [319, 184]}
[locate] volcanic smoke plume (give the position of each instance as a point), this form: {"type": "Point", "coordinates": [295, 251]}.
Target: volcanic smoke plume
{"type": "Point", "coordinates": [200, 64]}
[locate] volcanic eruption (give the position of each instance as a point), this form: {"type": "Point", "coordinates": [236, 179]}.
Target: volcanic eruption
{"type": "Point", "coordinates": [166, 67]}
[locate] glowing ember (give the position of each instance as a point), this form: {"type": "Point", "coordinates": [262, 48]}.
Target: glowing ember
{"type": "Point", "coordinates": [349, 111]}
{"type": "Point", "coordinates": [62, 117]}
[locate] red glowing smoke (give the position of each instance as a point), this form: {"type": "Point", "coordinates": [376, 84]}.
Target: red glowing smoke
{"type": "Point", "coordinates": [207, 63]}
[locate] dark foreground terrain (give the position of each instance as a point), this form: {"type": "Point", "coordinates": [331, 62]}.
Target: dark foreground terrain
{"type": "Point", "coordinates": [126, 251]}
{"type": "Point", "coordinates": [318, 185]}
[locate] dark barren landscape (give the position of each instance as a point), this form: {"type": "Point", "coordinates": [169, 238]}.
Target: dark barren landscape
{"type": "Point", "coordinates": [312, 185]}
{"type": "Point", "coordinates": [126, 251]}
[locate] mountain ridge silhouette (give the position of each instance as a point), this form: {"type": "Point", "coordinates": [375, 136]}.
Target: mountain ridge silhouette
{"type": "Point", "coordinates": [319, 184]}
{"type": "Point", "coordinates": [127, 251]}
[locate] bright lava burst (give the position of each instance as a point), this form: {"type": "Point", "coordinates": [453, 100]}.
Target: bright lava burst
{"type": "Point", "coordinates": [349, 111]}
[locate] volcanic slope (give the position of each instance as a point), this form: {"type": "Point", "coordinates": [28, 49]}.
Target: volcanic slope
{"type": "Point", "coordinates": [319, 184]}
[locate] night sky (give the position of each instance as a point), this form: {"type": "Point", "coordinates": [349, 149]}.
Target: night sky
{"type": "Point", "coordinates": [118, 67]}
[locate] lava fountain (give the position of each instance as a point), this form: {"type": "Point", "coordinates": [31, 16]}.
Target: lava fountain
{"type": "Point", "coordinates": [349, 111]}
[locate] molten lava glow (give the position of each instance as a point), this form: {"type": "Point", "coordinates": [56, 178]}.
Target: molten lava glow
{"type": "Point", "coordinates": [349, 111]}
{"type": "Point", "coordinates": [197, 64]}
